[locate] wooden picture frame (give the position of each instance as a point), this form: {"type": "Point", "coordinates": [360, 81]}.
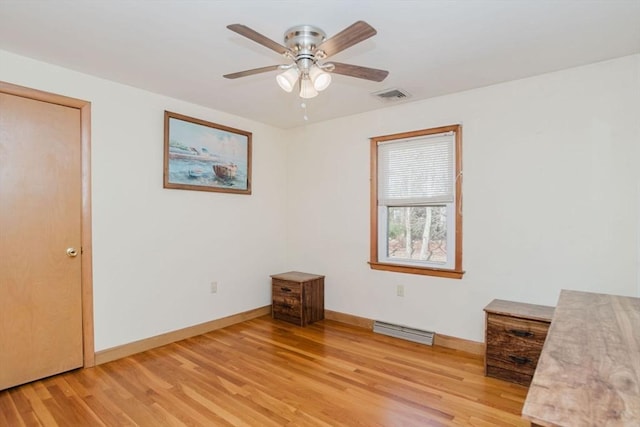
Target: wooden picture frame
{"type": "Point", "coordinates": [205, 156]}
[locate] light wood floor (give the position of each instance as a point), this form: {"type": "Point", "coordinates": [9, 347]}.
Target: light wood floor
{"type": "Point", "coordinates": [270, 373]}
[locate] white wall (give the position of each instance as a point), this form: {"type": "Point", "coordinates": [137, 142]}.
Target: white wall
{"type": "Point", "coordinates": [550, 198]}
{"type": "Point", "coordinates": [156, 250]}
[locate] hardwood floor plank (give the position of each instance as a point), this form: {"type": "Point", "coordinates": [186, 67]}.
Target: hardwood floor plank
{"type": "Point", "coordinates": [9, 414]}
{"type": "Point", "coordinates": [40, 410]}
{"type": "Point", "coordinates": [57, 412]}
{"type": "Point", "coordinates": [270, 373]}
{"type": "Point", "coordinates": [24, 409]}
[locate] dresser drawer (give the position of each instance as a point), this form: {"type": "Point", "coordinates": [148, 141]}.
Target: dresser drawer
{"type": "Point", "coordinates": [522, 362]}
{"type": "Point", "coordinates": [506, 330]}
{"type": "Point", "coordinates": [284, 288]}
{"type": "Point", "coordinates": [287, 312]}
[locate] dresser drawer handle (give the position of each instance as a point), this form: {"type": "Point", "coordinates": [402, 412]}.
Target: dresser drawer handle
{"type": "Point", "coordinates": [283, 289]}
{"type": "Point", "coordinates": [520, 333]}
{"type": "Point", "coordinates": [520, 360]}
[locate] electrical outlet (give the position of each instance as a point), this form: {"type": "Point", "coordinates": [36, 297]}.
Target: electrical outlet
{"type": "Point", "coordinates": [400, 290]}
{"type": "Point", "coordinates": [214, 287]}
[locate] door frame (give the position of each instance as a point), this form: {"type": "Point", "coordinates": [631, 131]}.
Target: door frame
{"type": "Point", "coordinates": [85, 233]}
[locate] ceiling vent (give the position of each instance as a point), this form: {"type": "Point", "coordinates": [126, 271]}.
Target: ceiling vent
{"type": "Point", "coordinates": [394, 94]}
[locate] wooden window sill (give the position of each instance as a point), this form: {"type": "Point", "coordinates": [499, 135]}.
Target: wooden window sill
{"type": "Point", "coordinates": [449, 274]}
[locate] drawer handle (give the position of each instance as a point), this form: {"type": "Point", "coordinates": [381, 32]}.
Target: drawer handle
{"type": "Point", "coordinates": [520, 333]}
{"type": "Point", "coordinates": [283, 289]}
{"type": "Point", "coordinates": [520, 360]}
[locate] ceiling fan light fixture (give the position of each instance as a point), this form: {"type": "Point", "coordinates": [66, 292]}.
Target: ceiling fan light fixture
{"type": "Point", "coordinates": [305, 47]}
{"type": "Point", "coordinates": [320, 78]}
{"type": "Point", "coordinates": [306, 88]}
{"type": "Point", "coordinates": [288, 79]}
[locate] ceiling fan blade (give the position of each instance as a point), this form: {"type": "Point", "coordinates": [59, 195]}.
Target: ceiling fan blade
{"type": "Point", "coordinates": [359, 72]}
{"type": "Point", "coordinates": [348, 37]}
{"type": "Point", "coordinates": [251, 72]}
{"type": "Point", "coordinates": [247, 32]}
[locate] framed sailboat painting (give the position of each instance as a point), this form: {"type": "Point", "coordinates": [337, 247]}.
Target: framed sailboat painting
{"type": "Point", "coordinates": [205, 156]}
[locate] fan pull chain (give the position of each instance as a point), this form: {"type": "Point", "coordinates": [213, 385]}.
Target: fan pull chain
{"type": "Point", "coordinates": [304, 108]}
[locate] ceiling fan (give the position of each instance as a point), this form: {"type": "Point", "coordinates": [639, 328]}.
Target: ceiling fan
{"type": "Point", "coordinates": [306, 47]}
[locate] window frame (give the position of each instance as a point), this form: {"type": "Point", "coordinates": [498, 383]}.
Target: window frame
{"type": "Point", "coordinates": [410, 267]}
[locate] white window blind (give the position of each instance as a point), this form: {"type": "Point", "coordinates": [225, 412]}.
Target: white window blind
{"type": "Point", "coordinates": [416, 171]}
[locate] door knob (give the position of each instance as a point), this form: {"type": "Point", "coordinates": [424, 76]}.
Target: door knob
{"type": "Point", "coordinates": [72, 252]}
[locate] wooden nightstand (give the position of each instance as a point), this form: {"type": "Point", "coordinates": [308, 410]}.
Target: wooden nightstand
{"type": "Point", "coordinates": [514, 336]}
{"type": "Point", "coordinates": [297, 297]}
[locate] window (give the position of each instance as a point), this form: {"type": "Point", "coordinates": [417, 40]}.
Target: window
{"type": "Point", "coordinates": [416, 193]}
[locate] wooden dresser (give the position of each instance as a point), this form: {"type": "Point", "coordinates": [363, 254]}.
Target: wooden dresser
{"type": "Point", "coordinates": [514, 335]}
{"type": "Point", "coordinates": [297, 297]}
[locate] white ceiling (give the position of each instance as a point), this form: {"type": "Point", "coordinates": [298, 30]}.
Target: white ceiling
{"type": "Point", "coordinates": [181, 48]}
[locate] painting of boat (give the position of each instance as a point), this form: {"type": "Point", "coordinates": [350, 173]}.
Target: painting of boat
{"type": "Point", "coordinates": [205, 156]}
{"type": "Point", "coordinates": [226, 172]}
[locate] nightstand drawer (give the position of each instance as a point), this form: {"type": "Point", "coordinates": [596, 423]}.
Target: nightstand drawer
{"type": "Point", "coordinates": [287, 312]}
{"type": "Point", "coordinates": [284, 288]}
{"type": "Point", "coordinates": [510, 331]}
{"type": "Point", "coordinates": [523, 362]}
